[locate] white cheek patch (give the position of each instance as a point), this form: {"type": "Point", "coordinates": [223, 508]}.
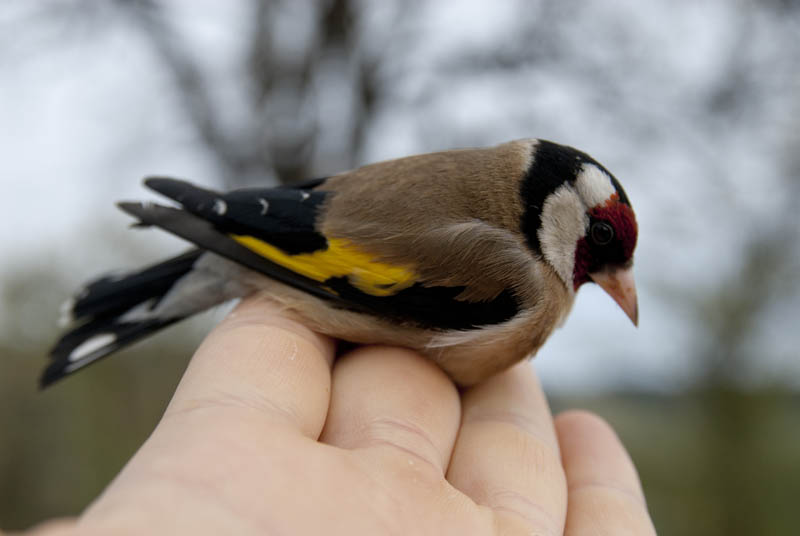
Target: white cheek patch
{"type": "Point", "coordinates": [594, 186]}
{"type": "Point", "coordinates": [564, 222]}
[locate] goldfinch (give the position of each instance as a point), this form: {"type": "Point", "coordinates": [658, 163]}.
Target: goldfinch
{"type": "Point", "coordinates": [471, 257]}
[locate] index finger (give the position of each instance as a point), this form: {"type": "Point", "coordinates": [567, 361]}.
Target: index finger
{"type": "Point", "coordinates": [257, 359]}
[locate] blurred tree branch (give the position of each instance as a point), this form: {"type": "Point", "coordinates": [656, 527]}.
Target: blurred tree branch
{"type": "Point", "coordinates": [190, 84]}
{"type": "Point", "coordinates": [284, 127]}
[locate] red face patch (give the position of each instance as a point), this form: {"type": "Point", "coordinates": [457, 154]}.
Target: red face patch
{"type": "Point", "coordinates": [590, 256]}
{"type": "Point", "coordinates": [622, 219]}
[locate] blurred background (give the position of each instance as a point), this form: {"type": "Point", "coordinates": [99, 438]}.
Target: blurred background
{"type": "Point", "coordinates": [694, 106]}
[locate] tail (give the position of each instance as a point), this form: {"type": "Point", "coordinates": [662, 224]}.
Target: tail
{"type": "Point", "coordinates": [117, 310]}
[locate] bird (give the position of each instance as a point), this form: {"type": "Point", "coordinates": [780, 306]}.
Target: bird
{"type": "Point", "coordinates": [471, 257]}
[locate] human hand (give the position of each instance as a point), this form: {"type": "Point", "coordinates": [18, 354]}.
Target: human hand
{"type": "Point", "coordinates": [263, 437]}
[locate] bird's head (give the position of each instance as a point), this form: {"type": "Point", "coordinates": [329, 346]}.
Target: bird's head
{"type": "Point", "coordinates": [580, 220]}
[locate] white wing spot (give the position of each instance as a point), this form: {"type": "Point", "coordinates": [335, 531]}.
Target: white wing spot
{"type": "Point", "coordinates": [91, 345]}
{"type": "Point", "coordinates": [220, 207]}
{"type": "Point", "coordinates": [304, 196]}
{"type": "Point", "coordinates": [264, 205]}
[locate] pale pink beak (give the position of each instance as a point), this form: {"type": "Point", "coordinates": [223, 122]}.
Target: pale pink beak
{"type": "Point", "coordinates": [619, 284]}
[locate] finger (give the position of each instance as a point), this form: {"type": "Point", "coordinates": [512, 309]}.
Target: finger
{"type": "Point", "coordinates": [393, 401]}
{"type": "Point", "coordinates": [260, 361]}
{"type": "Point", "coordinates": [506, 456]}
{"type": "Point", "coordinates": [605, 496]}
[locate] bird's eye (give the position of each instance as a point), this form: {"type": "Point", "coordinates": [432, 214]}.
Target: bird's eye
{"type": "Point", "coordinates": [602, 233]}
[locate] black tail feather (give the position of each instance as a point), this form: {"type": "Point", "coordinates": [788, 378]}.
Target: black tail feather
{"type": "Point", "coordinates": [103, 306]}
{"type": "Point", "coordinates": [112, 295]}
{"type": "Point", "coordinates": [95, 340]}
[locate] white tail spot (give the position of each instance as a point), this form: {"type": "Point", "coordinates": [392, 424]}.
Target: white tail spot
{"type": "Point", "coordinates": [91, 345]}
{"type": "Point", "coordinates": [264, 205]}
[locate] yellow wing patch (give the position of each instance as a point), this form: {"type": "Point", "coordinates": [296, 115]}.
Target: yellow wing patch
{"type": "Point", "coordinates": [341, 259]}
